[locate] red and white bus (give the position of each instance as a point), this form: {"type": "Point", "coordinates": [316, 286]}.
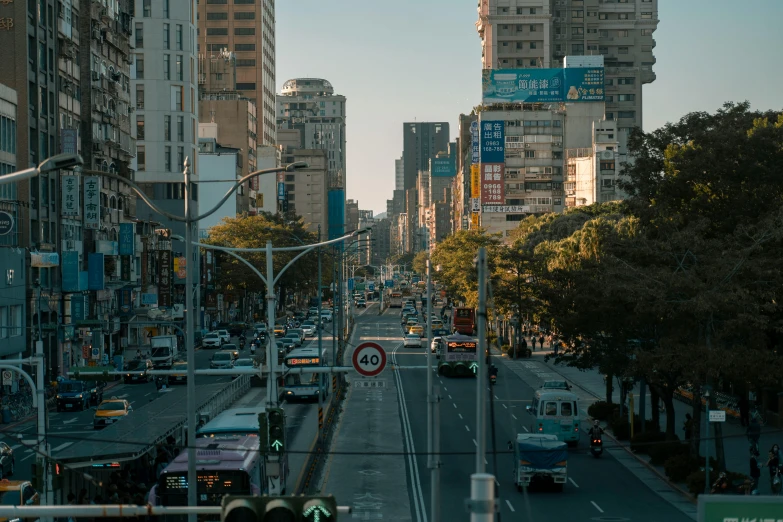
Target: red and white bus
{"type": "Point", "coordinates": [463, 320]}
{"type": "Point", "coordinates": [395, 301]}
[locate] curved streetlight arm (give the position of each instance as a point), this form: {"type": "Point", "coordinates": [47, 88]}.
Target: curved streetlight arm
{"type": "Point", "coordinates": [282, 249]}
{"type": "Point", "coordinates": [288, 265]}
{"type": "Point", "coordinates": [213, 247]}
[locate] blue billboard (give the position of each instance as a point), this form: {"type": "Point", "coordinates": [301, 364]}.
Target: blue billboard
{"type": "Point", "coordinates": [70, 270]}
{"type": "Point", "coordinates": [578, 84]}
{"type": "Point", "coordinates": [95, 272]}
{"type": "Point", "coordinates": [443, 168]}
{"type": "Point", "coordinates": [280, 191]}
{"type": "Point", "coordinates": [127, 237]}
{"type": "Point", "coordinates": [493, 141]}
{"type": "Point", "coordinates": [336, 202]}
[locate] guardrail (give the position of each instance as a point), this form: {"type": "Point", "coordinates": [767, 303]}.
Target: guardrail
{"type": "Point", "coordinates": [221, 401]}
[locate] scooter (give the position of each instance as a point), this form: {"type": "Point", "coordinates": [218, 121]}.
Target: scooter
{"type": "Point", "coordinates": [596, 446]}
{"type": "Point", "coordinates": [252, 348]}
{"type": "Point", "coordinates": [241, 344]}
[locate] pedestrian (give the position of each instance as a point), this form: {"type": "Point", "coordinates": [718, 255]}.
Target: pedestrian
{"type": "Point", "coordinates": [688, 426]}
{"type": "Point", "coordinates": [541, 341]}
{"type": "Point", "coordinates": [533, 342]}
{"type": "Point", "coordinates": [773, 463]}
{"type": "Point", "coordinates": [755, 471]}
{"type": "Point", "coordinates": [524, 347]}
{"type": "Point", "coordinates": [555, 347]}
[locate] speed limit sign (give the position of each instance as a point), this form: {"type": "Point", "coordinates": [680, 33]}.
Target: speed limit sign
{"type": "Point", "coordinates": [369, 359]}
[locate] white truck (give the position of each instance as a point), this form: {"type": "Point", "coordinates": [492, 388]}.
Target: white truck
{"type": "Point", "coordinates": [163, 350]}
{"type": "Point", "coordinates": [540, 457]}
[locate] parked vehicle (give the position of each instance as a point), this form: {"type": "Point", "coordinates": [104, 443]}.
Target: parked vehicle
{"type": "Point", "coordinates": [540, 458]}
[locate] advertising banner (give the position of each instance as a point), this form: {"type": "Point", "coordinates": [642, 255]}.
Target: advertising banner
{"type": "Point", "coordinates": [126, 301]}
{"type": "Point", "coordinates": [44, 259]}
{"type": "Point", "coordinates": [180, 267]}
{"type": "Point", "coordinates": [442, 168]}
{"type": "Point", "coordinates": [125, 268]}
{"type": "Point", "coordinates": [475, 204]}
{"type": "Point", "coordinates": [70, 196]}
{"type": "Point", "coordinates": [92, 203]}
{"type": "Point", "coordinates": [474, 142]}
{"type": "Point", "coordinates": [493, 141]}
{"type": "Point", "coordinates": [70, 272]}
{"type": "Point", "coordinates": [149, 299]}
{"type": "Point", "coordinates": [579, 84]}
{"type": "Point", "coordinates": [127, 239]}
{"type": "Point", "coordinates": [95, 271]}
{"type": "Point", "coordinates": [506, 209]}
{"type": "Point", "coordinates": [474, 220]}
{"type": "Point", "coordinates": [164, 278]}
{"type": "Point", "coordinates": [281, 191]}
{"type": "Point", "coordinates": [475, 180]}
{"type": "Point", "coordinates": [78, 306]}
{"type": "Point", "coordinates": [493, 184]}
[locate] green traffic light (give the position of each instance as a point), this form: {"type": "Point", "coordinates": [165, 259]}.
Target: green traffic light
{"type": "Point", "coordinates": [277, 445]}
{"type": "Point", "coordinates": [474, 367]}
{"type": "Point", "coordinates": [316, 514]}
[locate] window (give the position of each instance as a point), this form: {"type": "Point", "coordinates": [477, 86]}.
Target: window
{"type": "Point", "coordinates": [626, 81]}
{"type": "Point", "coordinates": [179, 37]}
{"type": "Point", "coordinates": [139, 35]}
{"type": "Point", "coordinates": [179, 67]}
{"type": "Point", "coordinates": [217, 16]}
{"type": "Point", "coordinates": [165, 8]}
{"type": "Point", "coordinates": [147, 8]}
{"type": "Point", "coordinates": [244, 31]}
{"type": "Point", "coordinates": [602, 16]}
{"type": "Point", "coordinates": [15, 320]}
{"type": "Point", "coordinates": [217, 2]}
{"type": "Point", "coordinates": [180, 156]}
{"type": "Point", "coordinates": [607, 183]}
{"type": "Point", "coordinates": [550, 409]}
{"type": "Point", "coordinates": [567, 409]}
{"type": "Point", "coordinates": [622, 16]}
{"type": "Point", "coordinates": [530, 154]}
{"type": "Point", "coordinates": [167, 158]}
{"type": "Point", "coordinates": [180, 128]}
{"type": "Point", "coordinates": [140, 126]}
{"type": "Point", "coordinates": [244, 47]}
{"type": "Point", "coordinates": [3, 322]}
{"type": "Point", "coordinates": [626, 114]}
{"type": "Point", "coordinates": [577, 13]}
{"type": "Point", "coordinates": [141, 157]}
{"type": "Point", "coordinates": [246, 63]}
{"type": "Point", "coordinates": [577, 48]}
{"type": "Point", "coordinates": [646, 15]}
{"type": "Point", "coordinates": [177, 98]}
{"type": "Point", "coordinates": [244, 2]}
{"type": "Point", "coordinates": [166, 67]}
{"type": "Point", "coordinates": [577, 30]}
{"type": "Point", "coordinates": [591, 14]}
{"type": "Point", "coordinates": [217, 31]}
{"type": "Point", "coordinates": [606, 165]}
{"type": "Point", "coordinates": [533, 28]}
{"type": "Point", "coordinates": [533, 62]}
{"type": "Point", "coordinates": [244, 15]}
{"type": "Point", "coordinates": [246, 86]}
{"type": "Point", "coordinates": [167, 127]}
{"type": "Point", "coordinates": [532, 45]}
{"type": "Point", "coordinates": [647, 32]}
{"type": "Point", "coordinates": [626, 97]}
{"type": "Point", "coordinates": [166, 36]}
{"type": "Point", "coordinates": [139, 66]}
{"type": "Point", "coordinates": [622, 50]}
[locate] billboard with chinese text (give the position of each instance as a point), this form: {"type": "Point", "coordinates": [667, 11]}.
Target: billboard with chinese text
{"type": "Point", "coordinates": [475, 180]}
{"type": "Point", "coordinates": [579, 84]}
{"type": "Point", "coordinates": [164, 278]}
{"type": "Point", "coordinates": [493, 141]}
{"type": "Point", "coordinates": [493, 183]}
{"type": "Point", "coordinates": [442, 168]}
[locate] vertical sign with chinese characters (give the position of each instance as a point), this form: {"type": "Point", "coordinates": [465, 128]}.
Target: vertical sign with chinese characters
{"type": "Point", "coordinates": [70, 195]}
{"type": "Point", "coordinates": [493, 141]}
{"type": "Point", "coordinates": [125, 268]}
{"type": "Point", "coordinates": [475, 180]}
{"type": "Point", "coordinates": [493, 184]}
{"type": "Point", "coordinates": [474, 142]}
{"type": "Point", "coordinates": [92, 205]}
{"type": "Point", "coordinates": [127, 239]}
{"type": "Point", "coordinates": [164, 278]}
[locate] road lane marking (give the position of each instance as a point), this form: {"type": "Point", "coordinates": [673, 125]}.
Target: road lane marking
{"type": "Point", "coordinates": [122, 396]}
{"type": "Point", "coordinates": [27, 457]}
{"type": "Point", "coordinates": [510, 506]}
{"type": "Point", "coordinates": [486, 463]}
{"type": "Point", "coordinates": [572, 482]}
{"type": "Point", "coordinates": [497, 483]}
{"type": "Point", "coordinates": [455, 404]}
{"type": "Point", "coordinates": [497, 398]}
{"type": "Point", "coordinates": [525, 428]}
{"type": "Point", "coordinates": [596, 507]}
{"type": "Point", "coordinates": [69, 421]}
{"type": "Point", "coordinates": [444, 388]}
{"type": "Point", "coordinates": [505, 406]}
{"type": "Point", "coordinates": [466, 428]}
{"type": "Point", "coordinates": [475, 443]}
{"type": "Point", "coordinates": [62, 446]}
{"type": "Point", "coordinates": [515, 417]}
{"type": "Point", "coordinates": [460, 415]}
{"type": "Point", "coordinates": [449, 396]}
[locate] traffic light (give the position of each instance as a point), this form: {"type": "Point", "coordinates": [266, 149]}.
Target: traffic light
{"type": "Point", "coordinates": [263, 433]}
{"type": "Point", "coordinates": [278, 509]}
{"type": "Point", "coordinates": [275, 418]}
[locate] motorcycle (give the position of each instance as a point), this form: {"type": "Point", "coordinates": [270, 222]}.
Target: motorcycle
{"type": "Point", "coordinates": [241, 344]}
{"type": "Point", "coordinates": [493, 379]}
{"type": "Point", "coordinates": [253, 349]}
{"type": "Point", "coordinates": [596, 446]}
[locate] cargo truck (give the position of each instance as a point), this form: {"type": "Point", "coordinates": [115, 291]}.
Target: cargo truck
{"type": "Point", "coordinates": [163, 350]}
{"type": "Point", "coordinates": [540, 458]}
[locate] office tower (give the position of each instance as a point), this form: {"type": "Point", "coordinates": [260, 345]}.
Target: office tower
{"type": "Point", "coordinates": [245, 28]}
{"type": "Point", "coordinates": [399, 174]}
{"type": "Point", "coordinates": [519, 34]}
{"type": "Point", "coordinates": [421, 142]}
{"type": "Point", "coordinates": [164, 37]}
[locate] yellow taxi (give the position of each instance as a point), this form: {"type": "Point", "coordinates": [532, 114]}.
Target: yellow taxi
{"type": "Point", "coordinates": [18, 493]}
{"type": "Point", "coordinates": [182, 372]}
{"type": "Point", "coordinates": [111, 411]}
{"type": "Point", "coordinates": [279, 330]}
{"type": "Point", "coordinates": [416, 329]}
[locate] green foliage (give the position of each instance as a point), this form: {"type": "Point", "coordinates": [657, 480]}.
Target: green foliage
{"type": "Point", "coordinates": [679, 467]}
{"type": "Point", "coordinates": [661, 452]}
{"type": "Point", "coordinates": [603, 411]}
{"type": "Point", "coordinates": [455, 257]}
{"type": "Point", "coordinates": [642, 442]}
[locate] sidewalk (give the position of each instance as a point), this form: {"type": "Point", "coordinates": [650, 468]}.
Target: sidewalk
{"type": "Point", "coordinates": [734, 438]}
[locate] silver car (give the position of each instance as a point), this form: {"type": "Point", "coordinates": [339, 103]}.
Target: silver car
{"type": "Point", "coordinates": [222, 361]}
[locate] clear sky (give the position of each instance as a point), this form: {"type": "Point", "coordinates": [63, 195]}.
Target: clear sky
{"type": "Point", "coordinates": [411, 60]}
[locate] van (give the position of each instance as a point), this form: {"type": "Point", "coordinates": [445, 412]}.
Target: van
{"type": "Point", "coordinates": [556, 412]}
{"type": "Point", "coordinates": [19, 493]}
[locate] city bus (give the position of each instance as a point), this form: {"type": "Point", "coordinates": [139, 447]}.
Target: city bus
{"type": "Point", "coordinates": [300, 386]}
{"type": "Point", "coordinates": [458, 356]}
{"type": "Point", "coordinates": [231, 466]}
{"type": "Point", "coordinates": [395, 301]}
{"type": "Point", "coordinates": [236, 422]}
{"type": "Point", "coordinates": [463, 320]}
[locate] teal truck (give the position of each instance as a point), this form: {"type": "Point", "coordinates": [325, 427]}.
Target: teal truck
{"type": "Point", "coordinates": [541, 458]}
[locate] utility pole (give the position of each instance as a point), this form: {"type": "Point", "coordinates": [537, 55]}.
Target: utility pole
{"type": "Point", "coordinates": [433, 459]}
{"type": "Point", "coordinates": [271, 380]}
{"type": "Point", "coordinates": [320, 345]}
{"type": "Point", "coordinates": [481, 419]}
{"type": "Point", "coordinates": [190, 348]}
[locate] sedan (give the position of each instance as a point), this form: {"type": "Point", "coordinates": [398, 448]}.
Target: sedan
{"type": "Point", "coordinates": [136, 371]}
{"type": "Point", "coordinates": [224, 335]}
{"type": "Point", "coordinates": [111, 411]}
{"type": "Point", "coordinates": [181, 372]}
{"type": "Point", "coordinates": [293, 338]}
{"type": "Point", "coordinates": [232, 349]}
{"type": "Point", "coordinates": [361, 303]}
{"type": "Point", "coordinates": [212, 340]}
{"type": "Point", "coordinates": [7, 462]}
{"type": "Point", "coordinates": [412, 340]}
{"type": "Point", "coordinates": [221, 361]}
{"type": "Point", "coordinates": [309, 328]}
{"type": "Point", "coordinates": [434, 344]}
{"type": "Point", "coordinates": [416, 329]}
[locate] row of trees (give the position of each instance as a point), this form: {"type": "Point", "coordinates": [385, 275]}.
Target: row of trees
{"type": "Point", "coordinates": [679, 284]}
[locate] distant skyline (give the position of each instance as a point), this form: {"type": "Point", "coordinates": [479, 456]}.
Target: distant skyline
{"type": "Point", "coordinates": [421, 61]}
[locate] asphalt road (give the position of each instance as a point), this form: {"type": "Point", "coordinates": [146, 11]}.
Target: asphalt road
{"type": "Point", "coordinates": [597, 488]}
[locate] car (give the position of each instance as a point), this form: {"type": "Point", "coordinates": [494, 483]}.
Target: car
{"type": "Point", "coordinates": [286, 343]}
{"type": "Point", "coordinates": [212, 340]}
{"type": "Point", "coordinates": [76, 395]}
{"type": "Point", "coordinates": [279, 330]}
{"type": "Point", "coordinates": [237, 329]}
{"type": "Point", "coordinates": [434, 344]}
{"type": "Point", "coordinates": [221, 360]}
{"type": "Point", "coordinates": [299, 332]}
{"type": "Point", "coordinates": [232, 349]}
{"type": "Point", "coordinates": [181, 372]}
{"type": "Point", "coordinates": [412, 340]}
{"type": "Point", "coordinates": [245, 362]}
{"type": "Point", "coordinates": [309, 328]}
{"type": "Point", "coordinates": [555, 385]}
{"type": "Point", "coordinates": [136, 371]}
{"type": "Point", "coordinates": [327, 315]}
{"type": "Point", "coordinates": [437, 323]}
{"type": "Point", "coordinates": [224, 335]}
{"type": "Point", "coordinates": [110, 411]}
{"type": "Point", "coordinates": [416, 329]}
{"type": "Point", "coordinates": [7, 461]}
{"type": "Point", "coordinates": [293, 338]}
{"type": "Point", "coordinates": [361, 303]}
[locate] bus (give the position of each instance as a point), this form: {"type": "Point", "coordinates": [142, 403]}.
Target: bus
{"type": "Point", "coordinates": [231, 466]}
{"type": "Point", "coordinates": [395, 301]}
{"type": "Point", "coordinates": [463, 320]}
{"type": "Point", "coordinates": [458, 356]}
{"type": "Point", "coordinates": [299, 386]}
{"type": "Point", "coordinates": [236, 422]}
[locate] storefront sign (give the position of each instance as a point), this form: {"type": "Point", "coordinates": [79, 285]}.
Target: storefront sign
{"type": "Point", "coordinates": [44, 259]}
{"type": "Point", "coordinates": [506, 209]}
{"type": "Point", "coordinates": [127, 239]}
{"type": "Point", "coordinates": [164, 278]}
{"type": "Point", "coordinates": [95, 271]}
{"type": "Point", "coordinates": [70, 272]}
{"type": "Point", "coordinates": [125, 268]}
{"type": "Point", "coordinates": [493, 183]}
{"type": "Point", "coordinates": [92, 206]}
{"type": "Point", "coordinates": [70, 196]}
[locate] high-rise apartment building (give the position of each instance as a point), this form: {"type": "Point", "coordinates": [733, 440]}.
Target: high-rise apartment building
{"type": "Point", "coordinates": [399, 174]}
{"type": "Point", "coordinates": [421, 141]}
{"type": "Point", "coordinates": [164, 37]}
{"type": "Point", "coordinates": [245, 28]}
{"type": "Point", "coordinates": [519, 34]}
{"type": "Point", "coordinates": [310, 106]}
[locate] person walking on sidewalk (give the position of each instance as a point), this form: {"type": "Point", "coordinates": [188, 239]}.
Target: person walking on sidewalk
{"type": "Point", "coordinates": [524, 347]}
{"type": "Point", "coordinates": [541, 341]}
{"type": "Point", "coordinates": [754, 433]}
{"type": "Point", "coordinates": [744, 409]}
{"type": "Point", "coordinates": [755, 472]}
{"type": "Point", "coordinates": [773, 463]}
{"type": "Point", "coordinates": [688, 426]}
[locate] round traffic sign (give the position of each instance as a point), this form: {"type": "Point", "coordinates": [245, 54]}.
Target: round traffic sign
{"type": "Point", "coordinates": [369, 359]}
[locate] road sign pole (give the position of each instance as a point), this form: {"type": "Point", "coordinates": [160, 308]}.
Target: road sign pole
{"type": "Point", "coordinates": [481, 381]}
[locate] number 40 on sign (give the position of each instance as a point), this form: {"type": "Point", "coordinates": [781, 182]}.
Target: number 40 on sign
{"type": "Point", "coordinates": [369, 359]}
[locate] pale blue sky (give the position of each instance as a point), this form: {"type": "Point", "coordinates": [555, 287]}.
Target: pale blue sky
{"type": "Point", "coordinates": [420, 60]}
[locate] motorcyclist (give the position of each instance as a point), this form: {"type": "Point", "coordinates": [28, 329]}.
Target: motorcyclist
{"type": "Point", "coordinates": [493, 370]}
{"type": "Point", "coordinates": [720, 485]}
{"type": "Point", "coordinates": [596, 431]}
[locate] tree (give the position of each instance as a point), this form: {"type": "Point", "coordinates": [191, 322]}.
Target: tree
{"type": "Point", "coordinates": [456, 255]}
{"type": "Point", "coordinates": [419, 263]}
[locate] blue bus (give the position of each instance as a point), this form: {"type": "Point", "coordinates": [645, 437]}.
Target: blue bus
{"type": "Point", "coordinates": [236, 422]}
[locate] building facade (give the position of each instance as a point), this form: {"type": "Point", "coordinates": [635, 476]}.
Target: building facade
{"type": "Point", "coordinates": [245, 28]}
{"type": "Point", "coordinates": [164, 77]}
{"type": "Point", "coordinates": [219, 165]}
{"type": "Point", "coordinates": [399, 174]}
{"type": "Point", "coordinates": [307, 190]}
{"type": "Point", "coordinates": [541, 33]}
{"type": "Point", "coordinates": [421, 141]}
{"type": "Point", "coordinates": [592, 172]}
